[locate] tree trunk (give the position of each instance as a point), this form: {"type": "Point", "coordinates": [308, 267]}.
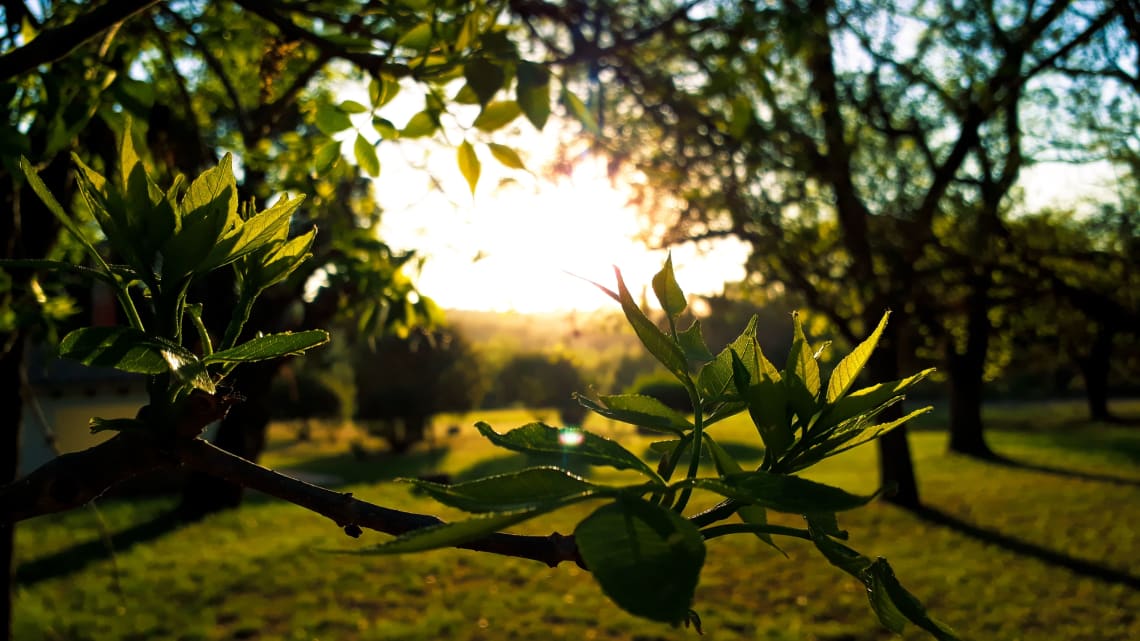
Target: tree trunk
{"type": "Point", "coordinates": [243, 433]}
{"type": "Point", "coordinates": [896, 467]}
{"type": "Point", "coordinates": [1094, 370]}
{"type": "Point", "coordinates": [11, 369]}
{"type": "Point", "coordinates": [967, 371]}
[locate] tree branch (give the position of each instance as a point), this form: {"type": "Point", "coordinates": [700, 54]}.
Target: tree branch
{"type": "Point", "coordinates": [72, 480]}
{"type": "Point", "coordinates": [57, 42]}
{"type": "Point", "coordinates": [352, 514]}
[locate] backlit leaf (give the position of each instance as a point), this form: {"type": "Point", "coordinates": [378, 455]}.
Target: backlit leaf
{"type": "Point", "coordinates": [331, 120]}
{"type": "Point", "coordinates": [326, 156]}
{"type": "Point", "coordinates": [496, 115]}
{"type": "Point", "coordinates": [576, 107]}
{"type": "Point", "coordinates": [569, 445]}
{"type": "Point", "coordinates": [506, 156]}
{"type": "Point", "coordinates": [523, 490]}
{"type": "Point", "coordinates": [469, 164]}
{"type": "Point", "coordinates": [848, 369]}
{"type": "Point", "coordinates": [661, 346]}
{"type": "Point", "coordinates": [421, 124]}
{"type": "Point", "coordinates": [452, 534]}
{"type": "Point", "coordinates": [781, 492]}
{"type": "Point", "coordinates": [668, 292]}
{"type": "Point", "coordinates": [353, 107]}
{"type": "Point", "coordinates": [270, 346]}
{"type": "Point", "coordinates": [366, 156]}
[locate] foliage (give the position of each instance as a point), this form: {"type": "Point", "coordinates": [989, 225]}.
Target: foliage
{"type": "Point", "coordinates": [169, 238]}
{"type": "Point", "coordinates": [540, 380]}
{"type": "Point", "coordinates": [645, 552]}
{"type": "Point", "coordinates": [401, 383]}
{"type": "Point", "coordinates": [639, 545]}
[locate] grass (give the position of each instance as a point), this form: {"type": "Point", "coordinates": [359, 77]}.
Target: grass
{"type": "Point", "coordinates": [1024, 566]}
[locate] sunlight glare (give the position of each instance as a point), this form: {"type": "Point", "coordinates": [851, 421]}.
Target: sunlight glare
{"type": "Point", "coordinates": [533, 249]}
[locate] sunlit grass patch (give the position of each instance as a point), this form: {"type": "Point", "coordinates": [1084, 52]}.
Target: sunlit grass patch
{"type": "Point", "coordinates": [273, 571]}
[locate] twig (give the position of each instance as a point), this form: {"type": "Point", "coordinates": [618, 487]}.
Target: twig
{"type": "Point", "coordinates": [56, 43]}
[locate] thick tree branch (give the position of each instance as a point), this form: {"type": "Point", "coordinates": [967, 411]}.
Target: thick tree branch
{"type": "Point", "coordinates": [72, 480]}
{"type": "Point", "coordinates": [57, 42]}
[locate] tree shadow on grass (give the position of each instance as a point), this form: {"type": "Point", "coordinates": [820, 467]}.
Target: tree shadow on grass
{"type": "Point", "coordinates": [348, 468]}
{"type": "Point", "coordinates": [329, 471]}
{"type": "Point", "coordinates": [80, 555]}
{"type": "Point", "coordinates": [1017, 546]}
{"type": "Point", "coordinates": [1005, 461]}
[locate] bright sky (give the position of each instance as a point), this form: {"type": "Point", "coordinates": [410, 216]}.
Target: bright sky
{"type": "Point", "coordinates": [516, 246]}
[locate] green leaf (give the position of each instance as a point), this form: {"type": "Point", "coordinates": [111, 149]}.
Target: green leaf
{"type": "Point", "coordinates": [129, 350]}
{"type": "Point", "coordinates": [533, 92]}
{"type": "Point", "coordinates": [570, 445]}
{"type": "Point", "coordinates": [209, 210]}
{"type": "Point", "coordinates": [122, 348]}
{"type": "Point", "coordinates": [527, 489]}
{"type": "Point", "coordinates": [330, 119]}
{"type": "Point", "coordinates": [848, 438]}
{"type": "Point", "coordinates": [693, 343]}
{"type": "Point", "coordinates": [366, 156]}
{"type": "Point", "coordinates": [646, 558]}
{"type": "Point", "coordinates": [271, 346]}
{"type": "Point", "coordinates": [636, 409]}
{"type": "Point", "coordinates": [802, 378]}
{"type": "Point", "coordinates": [781, 492]}
{"type": "Point", "coordinates": [420, 125]}
{"type": "Point", "coordinates": [326, 156]}
{"type": "Point", "coordinates": [869, 398]}
{"type": "Point", "coordinates": [57, 210]}
{"type": "Point", "coordinates": [506, 156]}
{"type": "Point", "coordinates": [251, 235]}
{"type": "Point", "coordinates": [767, 400]}
{"type": "Point", "coordinates": [385, 128]}
{"type": "Point", "coordinates": [895, 604]}
{"type": "Point", "coordinates": [382, 90]}
{"type": "Point", "coordinates": [484, 77]}
{"type": "Point", "coordinates": [353, 107]}
{"type": "Point", "coordinates": [576, 107]}
{"type": "Point", "coordinates": [452, 534]}
{"type": "Point", "coordinates": [469, 164]}
{"type": "Point", "coordinates": [715, 379]}
{"type": "Point", "coordinates": [668, 292]}
{"type": "Point", "coordinates": [661, 346]}
{"type": "Point", "coordinates": [496, 115]}
{"type": "Point", "coordinates": [848, 369]}
{"type": "Point", "coordinates": [418, 37]}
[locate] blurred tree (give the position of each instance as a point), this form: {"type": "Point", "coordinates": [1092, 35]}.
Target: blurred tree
{"type": "Point", "coordinates": [402, 382]}
{"type": "Point", "coordinates": [541, 380]}
{"type": "Point", "coordinates": [843, 140]}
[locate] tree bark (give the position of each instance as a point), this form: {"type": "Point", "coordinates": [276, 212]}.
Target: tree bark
{"type": "Point", "coordinates": [1095, 367]}
{"type": "Point", "coordinates": [11, 375]}
{"type": "Point", "coordinates": [896, 466]}
{"type": "Point", "coordinates": [967, 370]}
{"type": "Point", "coordinates": [243, 433]}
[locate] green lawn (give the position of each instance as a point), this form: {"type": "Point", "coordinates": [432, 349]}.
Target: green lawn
{"type": "Point", "coordinates": [1041, 555]}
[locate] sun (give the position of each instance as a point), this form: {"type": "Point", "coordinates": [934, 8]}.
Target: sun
{"type": "Point", "coordinates": [535, 248]}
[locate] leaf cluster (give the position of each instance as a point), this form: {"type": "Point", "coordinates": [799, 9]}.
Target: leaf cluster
{"type": "Point", "coordinates": [641, 545]}
{"type": "Point", "coordinates": [166, 239]}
